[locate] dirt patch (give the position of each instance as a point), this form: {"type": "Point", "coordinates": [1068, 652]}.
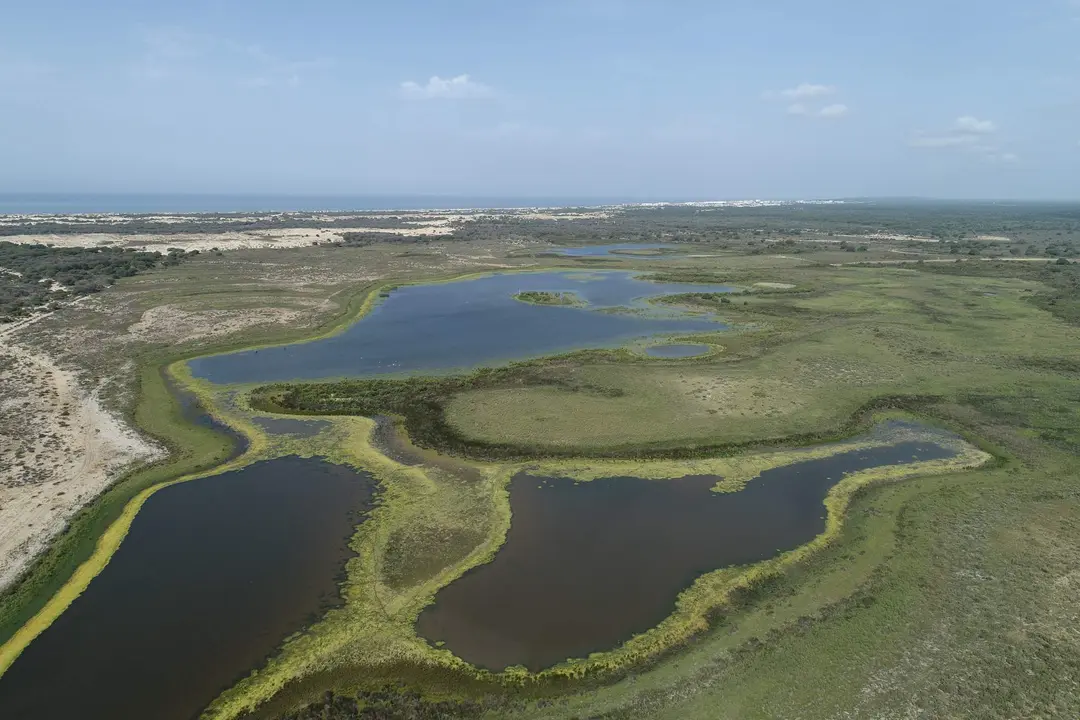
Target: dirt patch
{"type": "Point", "coordinates": [175, 324]}
{"type": "Point", "coordinates": [237, 240]}
{"type": "Point", "coordinates": [774, 285]}
{"type": "Point", "coordinates": [59, 448]}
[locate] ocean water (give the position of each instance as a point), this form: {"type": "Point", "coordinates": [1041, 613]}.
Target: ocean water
{"type": "Point", "coordinates": [57, 203]}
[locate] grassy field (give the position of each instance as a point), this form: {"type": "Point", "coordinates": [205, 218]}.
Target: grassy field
{"type": "Point", "coordinates": [948, 594]}
{"type": "Point", "coordinates": [798, 360]}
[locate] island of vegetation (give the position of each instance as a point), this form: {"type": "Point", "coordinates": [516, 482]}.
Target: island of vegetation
{"type": "Point", "coordinates": [543, 297]}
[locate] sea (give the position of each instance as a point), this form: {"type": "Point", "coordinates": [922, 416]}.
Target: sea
{"type": "Point", "coordinates": [61, 204]}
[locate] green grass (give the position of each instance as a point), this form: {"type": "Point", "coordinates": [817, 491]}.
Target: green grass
{"type": "Point", "coordinates": [802, 361]}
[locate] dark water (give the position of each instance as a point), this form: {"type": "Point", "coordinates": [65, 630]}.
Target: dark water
{"type": "Point", "coordinates": [61, 203]}
{"type": "Point", "coordinates": [213, 575]}
{"type": "Point", "coordinates": [467, 323]}
{"type": "Point", "coordinates": [683, 350]}
{"type": "Point", "coordinates": [618, 250]}
{"type": "Point", "coordinates": [587, 565]}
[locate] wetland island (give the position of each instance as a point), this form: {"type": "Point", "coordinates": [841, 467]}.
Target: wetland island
{"type": "Point", "coordinates": [611, 462]}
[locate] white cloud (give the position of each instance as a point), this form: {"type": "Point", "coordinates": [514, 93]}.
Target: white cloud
{"type": "Point", "coordinates": [807, 90]}
{"type": "Point", "coordinates": [461, 87]}
{"type": "Point", "coordinates": [974, 126]}
{"type": "Point", "coordinates": [967, 134]}
{"type": "Point", "coordinates": [966, 131]}
{"type": "Point", "coordinates": [809, 100]}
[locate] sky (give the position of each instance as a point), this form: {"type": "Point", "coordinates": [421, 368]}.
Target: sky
{"type": "Point", "coordinates": [649, 99]}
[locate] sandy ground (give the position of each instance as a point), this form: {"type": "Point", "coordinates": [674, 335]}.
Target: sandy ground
{"type": "Point", "coordinates": [429, 224]}
{"type": "Point", "coordinates": [203, 242]}
{"type": "Point", "coordinates": [177, 324]}
{"type": "Point", "coordinates": [59, 449]}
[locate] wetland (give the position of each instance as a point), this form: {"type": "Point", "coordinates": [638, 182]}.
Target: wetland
{"type": "Point", "coordinates": [693, 534]}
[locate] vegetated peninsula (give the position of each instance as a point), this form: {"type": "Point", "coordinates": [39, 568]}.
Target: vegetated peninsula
{"type": "Point", "coordinates": [867, 455]}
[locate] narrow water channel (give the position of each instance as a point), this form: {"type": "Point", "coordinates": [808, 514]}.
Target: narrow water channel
{"type": "Point", "coordinates": [214, 574]}
{"type": "Point", "coordinates": [587, 565]}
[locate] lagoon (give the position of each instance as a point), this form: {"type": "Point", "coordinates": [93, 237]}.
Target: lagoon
{"type": "Point", "coordinates": [214, 574]}
{"type": "Point", "coordinates": [586, 565]}
{"type": "Point", "coordinates": [462, 324]}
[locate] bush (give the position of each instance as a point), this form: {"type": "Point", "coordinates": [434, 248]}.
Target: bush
{"type": "Point", "coordinates": [30, 272]}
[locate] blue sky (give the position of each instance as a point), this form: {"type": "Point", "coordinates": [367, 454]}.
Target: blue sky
{"type": "Point", "coordinates": [677, 99]}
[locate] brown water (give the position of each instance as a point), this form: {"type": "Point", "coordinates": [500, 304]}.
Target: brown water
{"type": "Point", "coordinates": [213, 576]}
{"type": "Point", "coordinates": [587, 565]}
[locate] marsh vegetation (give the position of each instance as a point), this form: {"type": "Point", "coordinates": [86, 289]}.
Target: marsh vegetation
{"type": "Point", "coordinates": [903, 577]}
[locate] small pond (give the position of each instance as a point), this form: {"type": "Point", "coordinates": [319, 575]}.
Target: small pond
{"type": "Point", "coordinates": [677, 350]}
{"type": "Point", "coordinates": [622, 250]}
{"type": "Point", "coordinates": [455, 325]}
{"type": "Point", "coordinates": [213, 576]}
{"type": "Point", "coordinates": [587, 565]}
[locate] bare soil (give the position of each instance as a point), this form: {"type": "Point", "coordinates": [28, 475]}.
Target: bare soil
{"type": "Point", "coordinates": [59, 448]}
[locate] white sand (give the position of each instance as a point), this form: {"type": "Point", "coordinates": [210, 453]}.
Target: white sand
{"type": "Point", "coordinates": [59, 448]}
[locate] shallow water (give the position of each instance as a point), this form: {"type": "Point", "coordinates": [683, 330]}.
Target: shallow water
{"type": "Point", "coordinates": [682, 350]}
{"type": "Point", "coordinates": [213, 576]}
{"type": "Point", "coordinates": [587, 565]}
{"type": "Point", "coordinates": [617, 250]}
{"type": "Point", "coordinates": [462, 324]}
{"type": "Point", "coordinates": [192, 410]}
